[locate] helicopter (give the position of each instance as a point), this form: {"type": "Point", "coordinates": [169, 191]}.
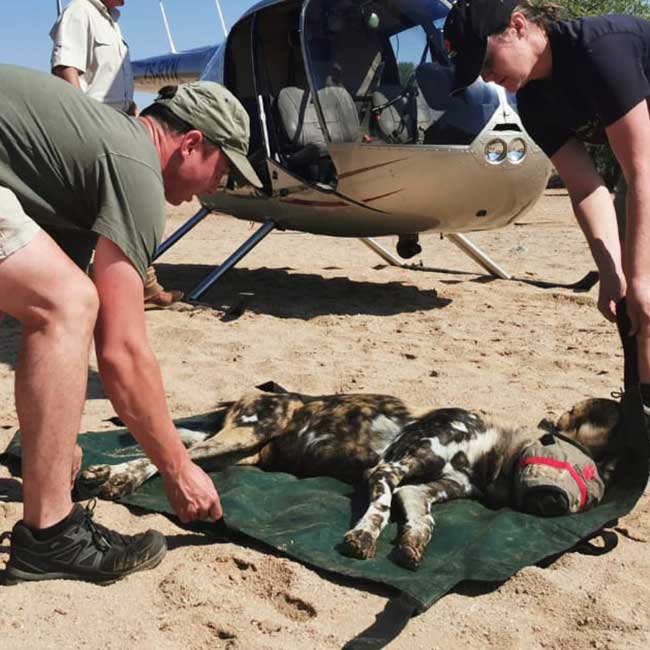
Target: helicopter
{"type": "Point", "coordinates": [353, 129]}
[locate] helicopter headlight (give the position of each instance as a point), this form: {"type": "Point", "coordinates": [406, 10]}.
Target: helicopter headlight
{"type": "Point", "coordinates": [496, 151]}
{"type": "Point", "coordinates": [516, 151]}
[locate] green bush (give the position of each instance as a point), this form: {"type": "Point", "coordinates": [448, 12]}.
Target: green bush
{"type": "Point", "coordinates": [577, 8]}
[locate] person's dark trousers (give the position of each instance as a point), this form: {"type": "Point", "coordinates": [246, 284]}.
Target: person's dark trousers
{"type": "Point", "coordinates": [78, 245]}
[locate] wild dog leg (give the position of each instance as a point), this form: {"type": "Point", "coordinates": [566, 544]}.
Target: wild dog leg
{"type": "Point", "coordinates": [416, 502]}
{"type": "Point", "coordinates": [361, 541]}
{"type": "Point", "coordinates": [124, 478]}
{"type": "Point", "coordinates": [119, 480]}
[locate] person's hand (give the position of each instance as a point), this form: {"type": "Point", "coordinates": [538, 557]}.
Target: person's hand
{"type": "Point", "coordinates": [192, 494]}
{"type": "Point", "coordinates": [638, 306]}
{"type": "Point", "coordinates": [611, 290]}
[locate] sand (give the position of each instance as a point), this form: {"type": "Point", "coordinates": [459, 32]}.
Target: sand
{"type": "Point", "coordinates": [324, 315]}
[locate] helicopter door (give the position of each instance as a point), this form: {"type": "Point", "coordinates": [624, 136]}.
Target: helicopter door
{"type": "Point", "coordinates": [347, 58]}
{"type": "Point", "coordinates": [290, 127]}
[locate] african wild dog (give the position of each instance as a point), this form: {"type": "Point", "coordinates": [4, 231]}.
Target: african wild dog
{"type": "Point", "coordinates": [445, 454]}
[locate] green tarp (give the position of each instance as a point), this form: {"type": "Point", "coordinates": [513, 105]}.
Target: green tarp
{"type": "Point", "coordinates": [306, 519]}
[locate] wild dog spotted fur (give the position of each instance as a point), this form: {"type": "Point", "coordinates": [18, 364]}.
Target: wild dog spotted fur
{"type": "Point", "coordinates": [445, 454]}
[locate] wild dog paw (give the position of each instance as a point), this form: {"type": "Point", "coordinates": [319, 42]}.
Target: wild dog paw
{"type": "Point", "coordinates": [359, 544]}
{"type": "Point", "coordinates": [94, 476]}
{"type": "Point", "coordinates": [119, 485]}
{"type": "Point", "coordinates": [409, 556]}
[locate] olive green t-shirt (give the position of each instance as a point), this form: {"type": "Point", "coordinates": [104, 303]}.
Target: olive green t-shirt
{"type": "Point", "coordinates": [76, 164]}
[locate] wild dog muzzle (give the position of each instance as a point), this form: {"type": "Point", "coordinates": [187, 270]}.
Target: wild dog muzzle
{"type": "Point", "coordinates": [555, 476]}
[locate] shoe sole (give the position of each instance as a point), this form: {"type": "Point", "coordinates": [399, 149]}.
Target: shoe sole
{"type": "Point", "coordinates": [14, 576]}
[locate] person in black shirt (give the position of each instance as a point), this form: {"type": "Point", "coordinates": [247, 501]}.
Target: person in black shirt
{"type": "Point", "coordinates": [577, 81]}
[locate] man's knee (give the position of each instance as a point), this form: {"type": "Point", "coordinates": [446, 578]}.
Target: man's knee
{"type": "Point", "coordinates": [72, 308]}
{"type": "Point", "coordinates": [43, 287]}
{"type": "Point", "coordinates": [79, 304]}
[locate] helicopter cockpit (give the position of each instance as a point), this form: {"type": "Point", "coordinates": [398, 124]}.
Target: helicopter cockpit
{"type": "Point", "coordinates": [389, 56]}
{"type": "Point", "coordinates": [363, 72]}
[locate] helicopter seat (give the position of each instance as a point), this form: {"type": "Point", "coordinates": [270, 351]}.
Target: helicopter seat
{"type": "Point", "coordinates": [406, 115]}
{"type": "Point", "coordinates": [302, 139]}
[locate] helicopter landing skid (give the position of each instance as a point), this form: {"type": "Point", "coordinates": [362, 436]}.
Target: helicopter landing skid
{"type": "Point", "coordinates": [461, 241]}
{"type": "Point", "coordinates": [240, 253]}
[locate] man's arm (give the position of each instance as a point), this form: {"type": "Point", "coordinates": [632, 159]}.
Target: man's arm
{"type": "Point", "coordinates": [594, 210]}
{"type": "Point", "coordinates": [132, 380]}
{"type": "Point", "coordinates": [71, 44]}
{"type": "Point", "coordinates": [69, 74]}
{"type": "Point", "coordinates": [630, 141]}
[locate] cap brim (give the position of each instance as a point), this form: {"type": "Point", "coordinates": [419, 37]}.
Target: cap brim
{"type": "Point", "coordinates": [467, 68]}
{"type": "Point", "coordinates": [241, 164]}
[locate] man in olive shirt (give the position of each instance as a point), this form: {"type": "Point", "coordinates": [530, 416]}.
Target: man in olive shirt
{"type": "Point", "coordinates": [90, 53]}
{"type": "Point", "coordinates": [69, 162]}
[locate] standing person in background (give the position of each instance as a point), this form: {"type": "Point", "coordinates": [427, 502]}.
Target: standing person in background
{"type": "Point", "coordinates": [90, 53]}
{"type": "Point", "coordinates": [576, 81]}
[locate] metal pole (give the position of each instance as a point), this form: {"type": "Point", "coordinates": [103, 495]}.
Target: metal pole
{"type": "Point", "coordinates": [223, 22]}
{"type": "Point", "coordinates": [243, 250]}
{"type": "Point", "coordinates": [169, 34]}
{"type": "Point", "coordinates": [478, 256]}
{"type": "Point", "coordinates": [265, 131]}
{"type": "Point", "coordinates": [384, 253]}
{"type": "Point", "coordinates": [181, 232]}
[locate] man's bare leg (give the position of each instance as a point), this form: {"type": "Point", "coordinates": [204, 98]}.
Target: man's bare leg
{"type": "Point", "coordinates": [56, 304]}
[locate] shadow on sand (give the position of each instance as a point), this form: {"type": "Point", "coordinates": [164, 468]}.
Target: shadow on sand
{"type": "Point", "coordinates": [285, 294]}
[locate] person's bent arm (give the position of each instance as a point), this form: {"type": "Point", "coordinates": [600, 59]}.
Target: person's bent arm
{"type": "Point", "coordinates": [69, 74]}
{"type": "Point", "coordinates": [132, 380]}
{"type": "Point", "coordinates": [630, 141]}
{"type": "Point", "coordinates": [594, 210]}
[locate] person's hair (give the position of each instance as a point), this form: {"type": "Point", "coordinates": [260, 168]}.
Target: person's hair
{"type": "Point", "coordinates": [169, 121]}
{"type": "Point", "coordinates": [540, 13]}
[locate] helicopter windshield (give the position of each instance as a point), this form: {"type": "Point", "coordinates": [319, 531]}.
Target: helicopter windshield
{"type": "Point", "coordinates": [380, 65]}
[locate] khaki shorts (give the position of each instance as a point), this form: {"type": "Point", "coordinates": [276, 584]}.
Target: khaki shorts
{"type": "Point", "coordinates": [16, 228]}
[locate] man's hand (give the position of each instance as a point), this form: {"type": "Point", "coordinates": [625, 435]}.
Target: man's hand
{"type": "Point", "coordinates": [611, 290]}
{"type": "Point", "coordinates": [192, 494]}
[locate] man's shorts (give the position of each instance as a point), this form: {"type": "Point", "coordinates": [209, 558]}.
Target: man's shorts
{"type": "Point", "coordinates": [16, 228]}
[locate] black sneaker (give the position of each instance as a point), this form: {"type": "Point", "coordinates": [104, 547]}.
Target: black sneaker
{"type": "Point", "coordinates": [84, 550]}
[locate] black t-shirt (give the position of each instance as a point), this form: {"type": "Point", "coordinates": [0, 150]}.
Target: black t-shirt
{"type": "Point", "coordinates": [601, 70]}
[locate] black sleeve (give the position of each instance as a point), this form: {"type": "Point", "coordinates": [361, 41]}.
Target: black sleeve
{"type": "Point", "coordinates": [614, 78]}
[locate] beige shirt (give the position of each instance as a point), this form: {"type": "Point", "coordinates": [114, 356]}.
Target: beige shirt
{"type": "Point", "coordinates": [87, 37]}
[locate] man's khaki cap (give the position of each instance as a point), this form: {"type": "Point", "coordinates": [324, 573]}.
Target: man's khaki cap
{"type": "Point", "coordinates": [212, 109]}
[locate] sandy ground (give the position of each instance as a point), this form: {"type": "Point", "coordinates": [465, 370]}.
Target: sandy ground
{"type": "Point", "coordinates": [324, 315]}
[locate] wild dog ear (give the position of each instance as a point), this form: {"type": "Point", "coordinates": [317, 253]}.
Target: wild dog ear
{"type": "Point", "coordinates": [547, 425]}
{"type": "Point", "coordinates": [272, 387]}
